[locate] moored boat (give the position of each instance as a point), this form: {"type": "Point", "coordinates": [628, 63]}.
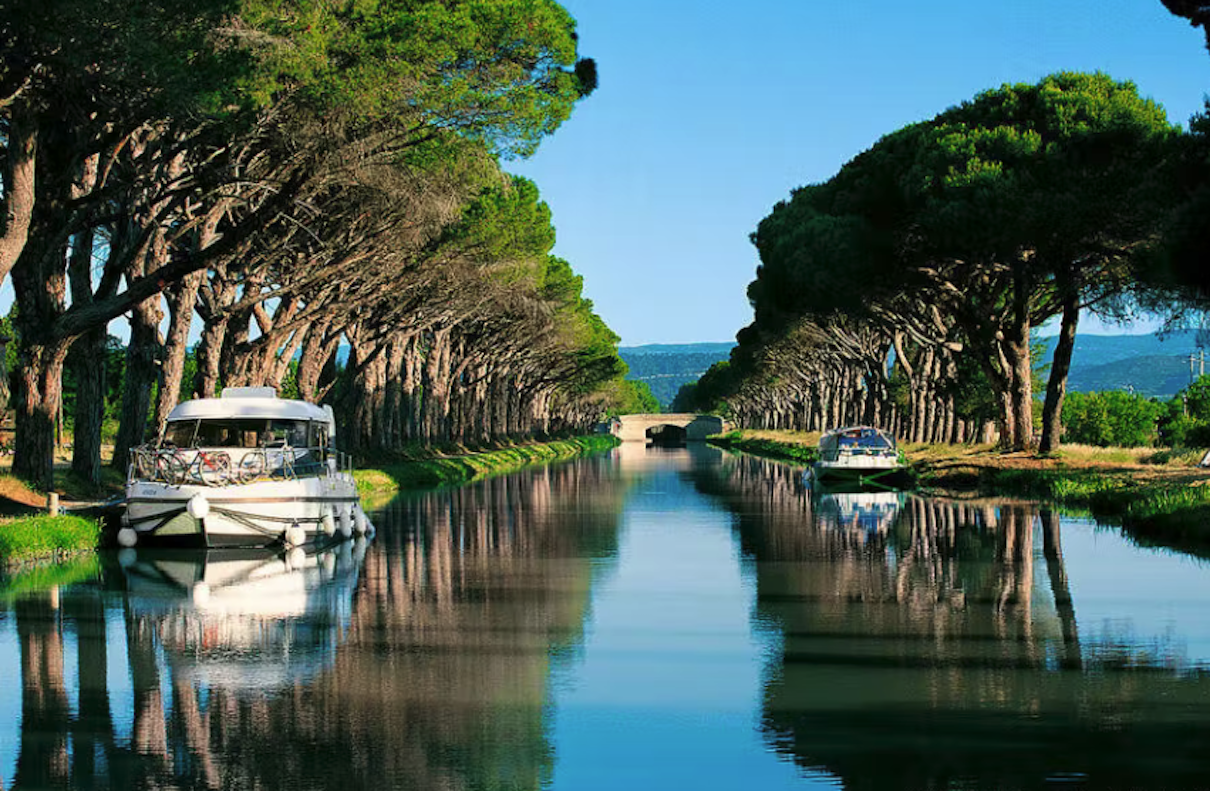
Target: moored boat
{"type": "Point", "coordinates": [244, 470]}
{"type": "Point", "coordinates": [859, 454]}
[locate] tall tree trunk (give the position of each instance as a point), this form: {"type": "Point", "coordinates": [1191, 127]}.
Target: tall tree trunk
{"type": "Point", "coordinates": [1021, 390]}
{"type": "Point", "coordinates": [219, 294]}
{"type": "Point", "coordinates": [142, 371]}
{"type": "Point", "coordinates": [40, 286]}
{"type": "Point", "coordinates": [87, 362]}
{"type": "Point", "coordinates": [318, 348]}
{"type": "Point", "coordinates": [19, 185]}
{"type": "Point", "coordinates": [181, 301]}
{"type": "Point", "coordinates": [1056, 386]}
{"type": "Point", "coordinates": [40, 395]}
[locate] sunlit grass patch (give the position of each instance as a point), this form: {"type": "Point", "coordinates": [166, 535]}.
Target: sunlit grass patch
{"type": "Point", "coordinates": [1095, 454]}
{"type": "Point", "coordinates": [770, 444]}
{"type": "Point", "coordinates": [31, 537]}
{"type": "Point", "coordinates": [1175, 457]}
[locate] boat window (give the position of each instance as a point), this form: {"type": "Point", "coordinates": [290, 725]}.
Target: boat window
{"type": "Point", "coordinates": [180, 433]}
{"type": "Point", "coordinates": [230, 432]}
{"type": "Point", "coordinates": [281, 433]}
{"type": "Point", "coordinates": [237, 433]}
{"type": "Point", "coordinates": [319, 435]}
{"type": "Point", "coordinates": [865, 438]}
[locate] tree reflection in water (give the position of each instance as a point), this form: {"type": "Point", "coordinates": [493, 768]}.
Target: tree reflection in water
{"type": "Point", "coordinates": [425, 664]}
{"type": "Point", "coordinates": [918, 650]}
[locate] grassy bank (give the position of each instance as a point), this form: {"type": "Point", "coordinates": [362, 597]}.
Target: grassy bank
{"type": "Point", "coordinates": [452, 470]}
{"type": "Point", "coordinates": [1156, 495]}
{"type": "Point", "coordinates": [29, 538]}
{"type": "Point", "coordinates": [794, 446]}
{"type": "Point", "coordinates": [1171, 507]}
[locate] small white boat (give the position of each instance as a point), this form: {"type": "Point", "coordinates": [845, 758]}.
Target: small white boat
{"type": "Point", "coordinates": [860, 454]}
{"type": "Point", "coordinates": [244, 470]}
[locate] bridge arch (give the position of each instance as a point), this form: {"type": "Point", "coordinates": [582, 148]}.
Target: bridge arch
{"type": "Point", "coordinates": [640, 428]}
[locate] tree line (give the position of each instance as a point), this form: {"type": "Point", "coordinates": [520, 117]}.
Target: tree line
{"type": "Point", "coordinates": [288, 179]}
{"type": "Point", "coordinates": [905, 292]}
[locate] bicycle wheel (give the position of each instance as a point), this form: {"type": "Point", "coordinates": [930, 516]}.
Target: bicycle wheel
{"type": "Point", "coordinates": [214, 469]}
{"type": "Point", "coordinates": [252, 465]}
{"type": "Point", "coordinates": [170, 467]}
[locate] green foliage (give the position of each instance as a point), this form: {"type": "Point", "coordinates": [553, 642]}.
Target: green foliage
{"type": "Point", "coordinates": [708, 394]}
{"type": "Point", "coordinates": [1112, 418]}
{"type": "Point", "coordinates": [159, 58]}
{"type": "Point", "coordinates": [501, 71]}
{"type": "Point", "coordinates": [1185, 421]}
{"type": "Point", "coordinates": [993, 212]}
{"type": "Point", "coordinates": [635, 398]}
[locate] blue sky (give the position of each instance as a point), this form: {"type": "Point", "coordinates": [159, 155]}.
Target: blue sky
{"type": "Point", "coordinates": [708, 113]}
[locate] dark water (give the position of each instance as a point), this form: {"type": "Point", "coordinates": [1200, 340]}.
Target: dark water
{"type": "Point", "coordinates": [653, 619]}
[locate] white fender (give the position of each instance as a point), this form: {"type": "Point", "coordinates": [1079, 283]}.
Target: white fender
{"type": "Point", "coordinates": [198, 506]}
{"type": "Point", "coordinates": [346, 521]}
{"type": "Point", "coordinates": [295, 535]}
{"type": "Point", "coordinates": [127, 537]}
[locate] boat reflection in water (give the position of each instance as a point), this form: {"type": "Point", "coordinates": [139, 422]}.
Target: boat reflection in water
{"type": "Point", "coordinates": [862, 514]}
{"type": "Point", "coordinates": [252, 619]}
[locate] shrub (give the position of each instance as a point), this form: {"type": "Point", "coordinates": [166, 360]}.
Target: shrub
{"type": "Point", "coordinates": [1111, 418]}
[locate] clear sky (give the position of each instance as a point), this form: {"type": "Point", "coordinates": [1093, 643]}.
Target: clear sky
{"type": "Point", "coordinates": [708, 113]}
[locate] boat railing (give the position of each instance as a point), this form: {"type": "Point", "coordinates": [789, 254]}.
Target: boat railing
{"type": "Point", "coordinates": [234, 466]}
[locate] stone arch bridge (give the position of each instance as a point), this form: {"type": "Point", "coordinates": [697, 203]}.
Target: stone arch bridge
{"type": "Point", "coordinates": [673, 428]}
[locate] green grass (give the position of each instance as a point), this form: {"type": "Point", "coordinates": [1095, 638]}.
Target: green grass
{"type": "Point", "coordinates": [452, 470]}
{"type": "Point", "coordinates": [34, 537]}
{"type": "Point", "coordinates": [770, 448]}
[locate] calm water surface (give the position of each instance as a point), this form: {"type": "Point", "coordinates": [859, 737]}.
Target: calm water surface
{"type": "Point", "coordinates": [650, 619]}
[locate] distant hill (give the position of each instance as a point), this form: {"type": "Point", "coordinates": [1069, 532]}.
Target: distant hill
{"type": "Point", "coordinates": [1145, 364]}
{"type": "Point", "coordinates": [1159, 375]}
{"type": "Point", "coordinates": [667, 366]}
{"type": "Point", "coordinates": [722, 349]}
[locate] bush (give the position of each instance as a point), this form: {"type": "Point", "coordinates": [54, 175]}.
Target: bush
{"type": "Point", "coordinates": [1111, 418]}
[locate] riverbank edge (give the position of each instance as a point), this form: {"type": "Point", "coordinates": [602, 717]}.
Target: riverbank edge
{"type": "Point", "coordinates": [1151, 509]}
{"type": "Point", "coordinates": [415, 474]}
{"type": "Point", "coordinates": [31, 545]}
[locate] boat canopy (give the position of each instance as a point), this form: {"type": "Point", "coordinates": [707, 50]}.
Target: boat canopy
{"type": "Point", "coordinates": [857, 437]}
{"type": "Point", "coordinates": [253, 402]}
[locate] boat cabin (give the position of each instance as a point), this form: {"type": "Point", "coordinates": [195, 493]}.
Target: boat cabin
{"type": "Point", "coordinates": [246, 433]}
{"type": "Point", "coordinates": [858, 440]}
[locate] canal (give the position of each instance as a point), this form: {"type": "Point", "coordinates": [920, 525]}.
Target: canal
{"type": "Point", "coordinates": [654, 618]}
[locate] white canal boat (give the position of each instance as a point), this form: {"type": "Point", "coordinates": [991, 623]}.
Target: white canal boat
{"type": "Point", "coordinates": [244, 470]}
{"type": "Point", "coordinates": [857, 454]}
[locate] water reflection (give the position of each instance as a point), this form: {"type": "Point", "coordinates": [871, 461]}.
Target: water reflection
{"type": "Point", "coordinates": [422, 661]}
{"type": "Point", "coordinates": [936, 643]}
{"type": "Point", "coordinates": [240, 620]}
{"type": "Point", "coordinates": [649, 619]}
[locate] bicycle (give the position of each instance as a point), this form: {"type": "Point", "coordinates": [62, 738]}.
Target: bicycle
{"type": "Point", "coordinates": [174, 466]}
{"type": "Point", "coordinates": [212, 468]}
